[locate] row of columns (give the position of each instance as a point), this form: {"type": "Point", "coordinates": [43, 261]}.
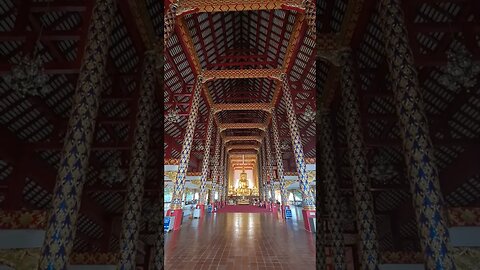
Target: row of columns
{"type": "Point", "coordinates": [417, 147]}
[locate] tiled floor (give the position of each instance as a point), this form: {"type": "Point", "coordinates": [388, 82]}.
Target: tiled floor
{"type": "Point", "coordinates": [240, 241]}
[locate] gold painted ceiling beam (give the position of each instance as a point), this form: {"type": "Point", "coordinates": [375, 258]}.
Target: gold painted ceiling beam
{"type": "Point", "coordinates": [241, 73]}
{"type": "Point", "coordinates": [249, 162]}
{"type": "Point", "coordinates": [240, 161]}
{"type": "Point", "coordinates": [240, 166]}
{"type": "Point", "coordinates": [227, 139]}
{"type": "Point", "coordinates": [242, 152]}
{"type": "Point", "coordinates": [290, 52]}
{"type": "Point", "coordinates": [225, 126]}
{"type": "Point", "coordinates": [240, 157]}
{"type": "Point", "coordinates": [243, 147]}
{"type": "Point", "coordinates": [235, 5]}
{"type": "Point", "coordinates": [242, 107]}
{"type": "Point", "coordinates": [188, 41]}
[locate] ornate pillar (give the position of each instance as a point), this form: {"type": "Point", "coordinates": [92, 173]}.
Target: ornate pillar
{"type": "Point", "coordinates": [332, 199]}
{"type": "Point", "coordinates": [225, 171]}
{"type": "Point", "coordinates": [221, 191]}
{"type": "Point", "coordinates": [278, 155]}
{"type": "Point", "coordinates": [179, 186]}
{"type": "Point", "coordinates": [169, 22]}
{"type": "Point", "coordinates": [417, 145]}
{"type": "Point", "coordinates": [205, 164]}
{"type": "Point", "coordinates": [361, 185]}
{"type": "Point", "coordinates": [270, 166]}
{"type": "Point", "coordinates": [310, 16]}
{"type": "Point", "coordinates": [320, 235]}
{"type": "Point", "coordinates": [138, 165]}
{"type": "Point", "coordinates": [62, 220]}
{"type": "Point", "coordinates": [159, 244]}
{"type": "Point", "coordinates": [266, 181]}
{"type": "Point", "coordinates": [307, 198]}
{"type": "Point", "coordinates": [260, 177]}
{"type": "Point", "coordinates": [216, 171]}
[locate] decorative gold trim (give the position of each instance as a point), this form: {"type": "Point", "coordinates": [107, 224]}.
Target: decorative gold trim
{"type": "Point", "coordinates": [242, 107]}
{"type": "Point", "coordinates": [172, 175]}
{"type": "Point", "coordinates": [224, 126]}
{"type": "Point", "coordinates": [237, 5]}
{"type": "Point", "coordinates": [227, 139]}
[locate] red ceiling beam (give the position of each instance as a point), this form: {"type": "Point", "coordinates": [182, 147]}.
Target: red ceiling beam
{"type": "Point", "coordinates": [242, 64]}
{"type": "Point", "coordinates": [436, 27]}
{"type": "Point", "coordinates": [62, 67]}
{"type": "Point", "coordinates": [58, 145]}
{"type": "Point", "coordinates": [132, 28]}
{"type": "Point", "coordinates": [226, 58]}
{"type": "Point", "coordinates": [57, 35]}
{"type": "Point", "coordinates": [60, 5]}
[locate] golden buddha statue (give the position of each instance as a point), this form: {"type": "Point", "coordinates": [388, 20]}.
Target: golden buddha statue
{"type": "Point", "coordinates": [243, 182]}
{"type": "Point", "coordinates": [243, 189]}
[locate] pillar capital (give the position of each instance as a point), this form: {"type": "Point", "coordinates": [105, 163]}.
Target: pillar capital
{"type": "Point", "coordinates": [336, 57]}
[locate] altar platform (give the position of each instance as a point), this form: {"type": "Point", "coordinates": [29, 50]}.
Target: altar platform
{"type": "Point", "coordinates": [243, 202]}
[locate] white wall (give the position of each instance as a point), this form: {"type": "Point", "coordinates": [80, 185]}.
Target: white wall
{"type": "Point", "coordinates": [21, 239]}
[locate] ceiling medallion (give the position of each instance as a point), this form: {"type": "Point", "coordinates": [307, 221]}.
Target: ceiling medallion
{"type": "Point", "coordinates": [309, 115]}
{"type": "Point", "coordinates": [113, 173]}
{"type": "Point", "coordinates": [27, 76]}
{"type": "Point", "coordinates": [381, 171]}
{"type": "Point", "coordinates": [199, 147]}
{"type": "Point", "coordinates": [461, 71]}
{"type": "Point", "coordinates": [284, 146]}
{"type": "Point", "coordinates": [173, 116]}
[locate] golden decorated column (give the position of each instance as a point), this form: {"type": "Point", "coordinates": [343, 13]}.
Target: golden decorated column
{"type": "Point", "coordinates": [418, 149]}
{"type": "Point", "coordinates": [72, 171]}
{"type": "Point", "coordinates": [179, 185]}
{"type": "Point", "coordinates": [308, 199]}
{"type": "Point", "coordinates": [205, 165]}
{"type": "Point", "coordinates": [138, 166]}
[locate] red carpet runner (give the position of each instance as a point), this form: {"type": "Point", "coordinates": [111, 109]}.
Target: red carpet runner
{"type": "Point", "coordinates": [242, 209]}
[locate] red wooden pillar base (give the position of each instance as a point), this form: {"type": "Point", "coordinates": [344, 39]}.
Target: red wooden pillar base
{"type": "Point", "coordinates": [307, 214]}
{"type": "Point", "coordinates": [177, 216]}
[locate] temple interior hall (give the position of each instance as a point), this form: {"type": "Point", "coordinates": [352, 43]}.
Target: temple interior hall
{"type": "Point", "coordinates": [247, 134]}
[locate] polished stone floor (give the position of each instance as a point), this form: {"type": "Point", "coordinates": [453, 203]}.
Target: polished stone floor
{"type": "Point", "coordinates": [240, 241]}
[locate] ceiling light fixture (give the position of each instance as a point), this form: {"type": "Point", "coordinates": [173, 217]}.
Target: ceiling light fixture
{"type": "Point", "coordinates": [27, 76]}
{"type": "Point", "coordinates": [309, 115]}
{"type": "Point", "coordinates": [173, 116]}
{"type": "Point", "coordinates": [461, 71]}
